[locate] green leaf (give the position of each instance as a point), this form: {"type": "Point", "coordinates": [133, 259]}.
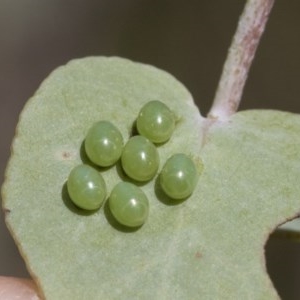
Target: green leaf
{"type": "Point", "coordinates": [210, 246]}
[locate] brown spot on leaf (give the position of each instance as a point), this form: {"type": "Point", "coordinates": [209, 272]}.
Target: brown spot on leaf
{"type": "Point", "coordinates": [198, 255]}
{"type": "Point", "coordinates": [66, 155]}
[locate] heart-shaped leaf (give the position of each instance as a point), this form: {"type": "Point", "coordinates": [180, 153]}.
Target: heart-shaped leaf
{"type": "Point", "coordinates": [210, 246]}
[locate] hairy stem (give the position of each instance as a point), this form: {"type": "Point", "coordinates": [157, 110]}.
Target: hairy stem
{"type": "Point", "coordinates": [240, 55]}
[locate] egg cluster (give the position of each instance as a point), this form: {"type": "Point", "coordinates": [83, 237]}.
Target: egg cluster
{"type": "Point", "coordinates": [104, 146]}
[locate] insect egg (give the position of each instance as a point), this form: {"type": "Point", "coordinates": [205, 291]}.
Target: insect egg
{"type": "Point", "coordinates": [179, 176]}
{"type": "Point", "coordinates": [140, 159]}
{"type": "Point", "coordinates": [156, 122]}
{"type": "Point", "coordinates": [128, 204]}
{"type": "Point", "coordinates": [86, 187]}
{"type": "Point", "coordinates": [103, 144]}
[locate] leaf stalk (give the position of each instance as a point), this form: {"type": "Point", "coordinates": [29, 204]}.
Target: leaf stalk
{"type": "Point", "coordinates": [250, 28]}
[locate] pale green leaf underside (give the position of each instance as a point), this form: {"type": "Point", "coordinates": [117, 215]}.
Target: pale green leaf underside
{"type": "Point", "coordinates": [208, 247]}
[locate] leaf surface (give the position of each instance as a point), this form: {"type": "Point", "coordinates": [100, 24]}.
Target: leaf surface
{"type": "Point", "coordinates": [210, 246]}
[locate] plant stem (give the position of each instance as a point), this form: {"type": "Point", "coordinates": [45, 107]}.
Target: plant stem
{"type": "Point", "coordinates": [240, 55]}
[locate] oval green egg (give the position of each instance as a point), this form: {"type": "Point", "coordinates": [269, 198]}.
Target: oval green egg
{"type": "Point", "coordinates": [156, 121]}
{"type": "Point", "coordinates": [129, 204]}
{"type": "Point", "coordinates": [179, 176]}
{"type": "Point", "coordinates": [103, 144]}
{"type": "Point", "coordinates": [140, 159]}
{"type": "Point", "coordinates": [86, 187]}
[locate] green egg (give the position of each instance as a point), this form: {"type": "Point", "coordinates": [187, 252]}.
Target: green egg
{"type": "Point", "coordinates": [140, 159]}
{"type": "Point", "coordinates": [156, 122]}
{"type": "Point", "coordinates": [128, 204]}
{"type": "Point", "coordinates": [86, 187]}
{"type": "Point", "coordinates": [103, 144]}
{"type": "Point", "coordinates": [179, 176]}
